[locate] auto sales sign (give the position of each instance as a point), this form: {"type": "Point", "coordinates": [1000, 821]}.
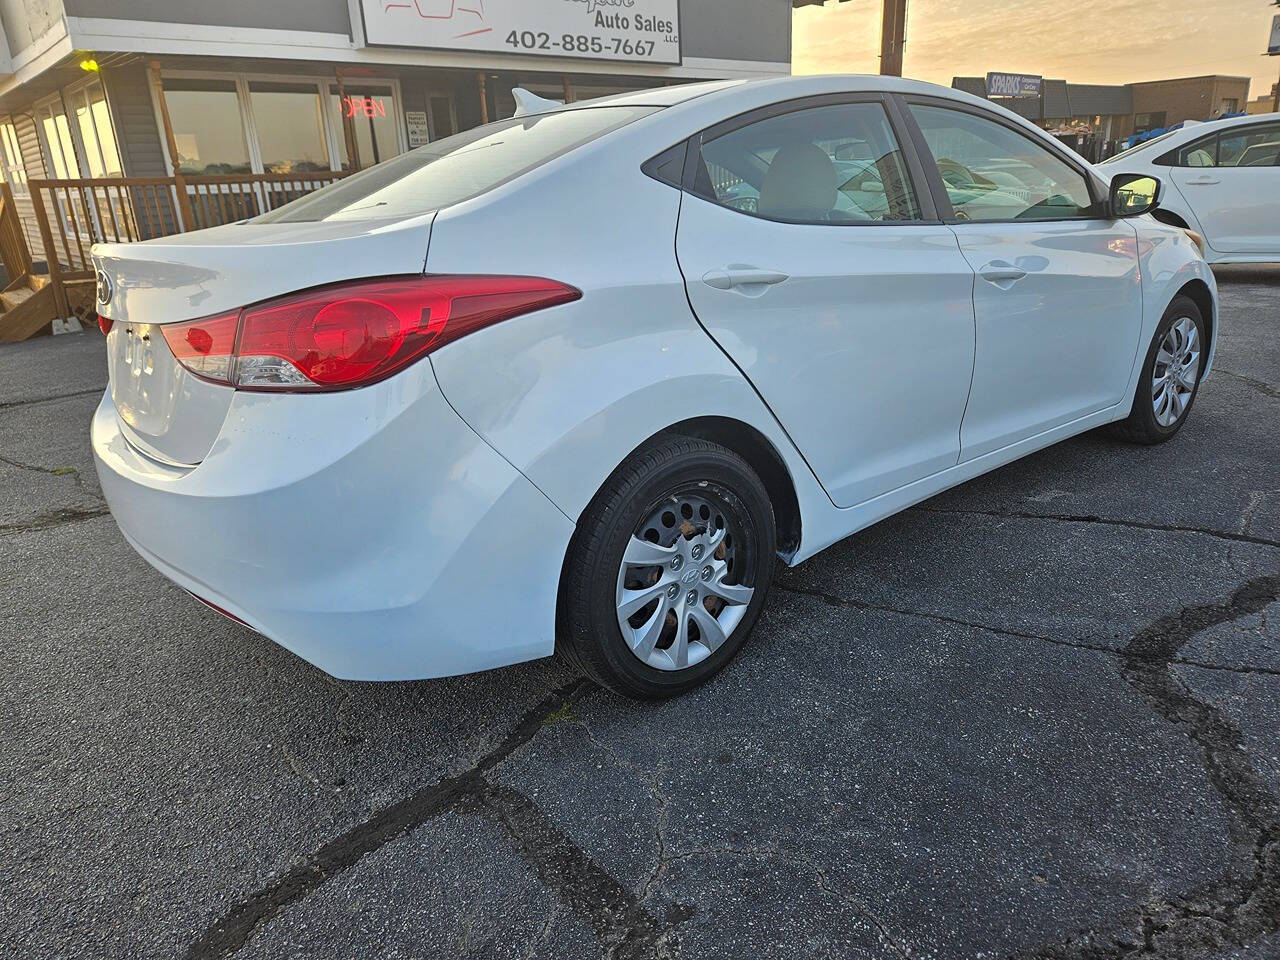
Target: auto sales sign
{"type": "Point", "coordinates": [645, 31]}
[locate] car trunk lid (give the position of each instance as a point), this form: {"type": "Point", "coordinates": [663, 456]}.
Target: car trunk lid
{"type": "Point", "coordinates": [168, 412]}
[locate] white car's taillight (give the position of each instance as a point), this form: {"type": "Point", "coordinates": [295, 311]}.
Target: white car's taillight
{"type": "Point", "coordinates": [351, 334]}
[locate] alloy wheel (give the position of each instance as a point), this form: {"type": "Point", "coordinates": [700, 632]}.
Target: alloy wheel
{"type": "Point", "coordinates": [1176, 370]}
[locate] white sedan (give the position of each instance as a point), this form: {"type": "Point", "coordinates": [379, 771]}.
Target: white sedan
{"type": "Point", "coordinates": [1222, 180]}
{"type": "Point", "coordinates": [575, 380]}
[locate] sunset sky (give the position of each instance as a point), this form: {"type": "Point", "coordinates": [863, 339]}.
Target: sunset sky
{"type": "Point", "coordinates": [1086, 41]}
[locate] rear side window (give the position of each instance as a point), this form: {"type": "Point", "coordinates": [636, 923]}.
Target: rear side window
{"type": "Point", "coordinates": [456, 168]}
{"type": "Point", "coordinates": [832, 164]}
{"type": "Point", "coordinates": [1198, 153]}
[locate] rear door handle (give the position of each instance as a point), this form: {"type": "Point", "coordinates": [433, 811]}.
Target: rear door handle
{"type": "Point", "coordinates": [742, 276]}
{"type": "Point", "coordinates": [1002, 274]}
{"type": "Point", "coordinates": [1203, 182]}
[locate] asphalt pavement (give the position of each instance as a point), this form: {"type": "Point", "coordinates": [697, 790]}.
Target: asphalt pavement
{"type": "Point", "coordinates": [1036, 717]}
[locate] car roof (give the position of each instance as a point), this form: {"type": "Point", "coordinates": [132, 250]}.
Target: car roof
{"type": "Point", "coordinates": [1193, 131]}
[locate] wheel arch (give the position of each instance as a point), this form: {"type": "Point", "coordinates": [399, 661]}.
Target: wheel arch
{"type": "Point", "coordinates": [763, 457]}
{"type": "Point", "coordinates": [1172, 219]}
{"type": "Point", "coordinates": [1198, 292]}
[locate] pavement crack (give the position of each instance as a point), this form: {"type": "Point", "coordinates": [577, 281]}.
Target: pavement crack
{"type": "Point", "coordinates": [9, 404]}
{"type": "Point", "coordinates": [1264, 388]}
{"type": "Point", "coordinates": [1080, 644]}
{"type": "Point", "coordinates": [1242, 537]}
{"type": "Point", "coordinates": [1244, 905]}
{"type": "Point", "coordinates": [55, 518]}
{"type": "Point", "coordinates": [624, 929]}
{"type": "Point", "coordinates": [232, 930]}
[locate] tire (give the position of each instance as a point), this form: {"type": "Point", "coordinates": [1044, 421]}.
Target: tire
{"type": "Point", "coordinates": [1147, 423]}
{"type": "Point", "coordinates": [675, 497]}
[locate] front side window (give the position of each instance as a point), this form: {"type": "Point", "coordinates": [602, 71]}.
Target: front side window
{"type": "Point", "coordinates": [457, 168]}
{"type": "Point", "coordinates": [1257, 146]}
{"type": "Point", "coordinates": [207, 126]}
{"type": "Point", "coordinates": [831, 164]}
{"type": "Point", "coordinates": [994, 173]}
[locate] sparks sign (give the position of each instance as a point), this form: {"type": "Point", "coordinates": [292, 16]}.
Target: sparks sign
{"type": "Point", "coordinates": [1013, 85]}
{"type": "Point", "coordinates": [643, 31]}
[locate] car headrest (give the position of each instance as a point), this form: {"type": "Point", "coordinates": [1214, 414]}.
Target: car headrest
{"type": "Point", "coordinates": [799, 185]}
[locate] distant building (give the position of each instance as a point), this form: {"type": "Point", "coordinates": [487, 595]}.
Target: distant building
{"type": "Point", "coordinates": [1096, 118]}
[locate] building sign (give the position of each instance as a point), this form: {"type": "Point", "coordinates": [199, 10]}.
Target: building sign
{"type": "Point", "coordinates": [364, 106]}
{"type": "Point", "coordinates": [1013, 85]}
{"type": "Point", "coordinates": [419, 134]}
{"type": "Point", "coordinates": [641, 31]}
{"type": "Point", "coordinates": [1273, 47]}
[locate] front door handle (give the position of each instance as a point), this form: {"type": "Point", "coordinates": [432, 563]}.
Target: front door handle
{"type": "Point", "coordinates": [742, 276]}
{"type": "Point", "coordinates": [1002, 274]}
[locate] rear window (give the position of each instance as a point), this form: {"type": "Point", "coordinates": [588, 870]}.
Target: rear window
{"type": "Point", "coordinates": [456, 168]}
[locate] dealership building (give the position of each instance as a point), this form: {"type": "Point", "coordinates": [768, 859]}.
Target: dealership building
{"type": "Point", "coordinates": [1097, 118]}
{"type": "Point", "coordinates": [122, 119]}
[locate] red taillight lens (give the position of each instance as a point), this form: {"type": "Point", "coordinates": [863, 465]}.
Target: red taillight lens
{"type": "Point", "coordinates": [352, 334]}
{"type": "Point", "coordinates": [104, 324]}
{"type": "Point", "coordinates": [206, 346]}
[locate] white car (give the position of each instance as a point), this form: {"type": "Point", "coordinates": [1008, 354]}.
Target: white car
{"type": "Point", "coordinates": [1222, 180]}
{"type": "Point", "coordinates": [553, 383]}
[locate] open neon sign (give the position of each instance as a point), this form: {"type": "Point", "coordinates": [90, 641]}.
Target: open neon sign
{"type": "Point", "coordinates": [364, 106]}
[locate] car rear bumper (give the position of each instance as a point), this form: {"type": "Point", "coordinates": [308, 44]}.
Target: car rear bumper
{"type": "Point", "coordinates": [371, 532]}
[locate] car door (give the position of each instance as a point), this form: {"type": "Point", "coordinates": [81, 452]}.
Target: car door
{"type": "Point", "coordinates": [1058, 295]}
{"type": "Point", "coordinates": [1232, 182]}
{"type": "Point", "coordinates": [816, 263]}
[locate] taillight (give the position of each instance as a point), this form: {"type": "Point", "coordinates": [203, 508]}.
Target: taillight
{"type": "Point", "coordinates": [104, 324]}
{"type": "Point", "coordinates": [351, 334]}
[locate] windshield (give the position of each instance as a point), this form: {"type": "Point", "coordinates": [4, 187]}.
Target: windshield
{"type": "Point", "coordinates": [456, 168]}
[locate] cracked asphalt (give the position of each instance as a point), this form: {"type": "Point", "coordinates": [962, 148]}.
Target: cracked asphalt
{"type": "Point", "coordinates": [1036, 717]}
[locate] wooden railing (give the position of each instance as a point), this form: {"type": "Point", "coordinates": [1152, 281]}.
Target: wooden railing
{"type": "Point", "coordinates": [73, 215]}
{"type": "Point", "coordinates": [14, 252]}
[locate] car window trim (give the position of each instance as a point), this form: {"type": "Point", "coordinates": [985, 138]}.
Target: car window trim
{"type": "Point", "coordinates": [942, 201]}
{"type": "Point", "coordinates": [915, 169]}
{"type": "Point", "coordinates": [1170, 157]}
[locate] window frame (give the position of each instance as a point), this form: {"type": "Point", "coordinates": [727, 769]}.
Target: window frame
{"type": "Point", "coordinates": [914, 169]}
{"type": "Point", "coordinates": [1170, 157]}
{"type": "Point", "coordinates": [15, 174]}
{"type": "Point", "coordinates": [330, 116]}
{"type": "Point", "coordinates": [942, 200]}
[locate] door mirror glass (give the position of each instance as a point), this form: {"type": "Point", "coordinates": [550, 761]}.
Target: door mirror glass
{"type": "Point", "coordinates": [1134, 194]}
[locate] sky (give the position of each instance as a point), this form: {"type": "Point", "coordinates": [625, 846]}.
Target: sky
{"type": "Point", "coordinates": [1084, 41]}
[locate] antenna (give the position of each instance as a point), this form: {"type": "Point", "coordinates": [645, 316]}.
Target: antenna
{"type": "Point", "coordinates": [530, 103]}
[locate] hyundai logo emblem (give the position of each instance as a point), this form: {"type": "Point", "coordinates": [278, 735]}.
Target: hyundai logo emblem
{"type": "Point", "coordinates": [104, 287]}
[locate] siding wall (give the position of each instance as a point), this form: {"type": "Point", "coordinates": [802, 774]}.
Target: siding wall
{"type": "Point", "coordinates": [133, 113]}
{"type": "Point", "coordinates": [33, 161]}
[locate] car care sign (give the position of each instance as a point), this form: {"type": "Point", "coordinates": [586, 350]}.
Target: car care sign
{"type": "Point", "coordinates": [644, 31]}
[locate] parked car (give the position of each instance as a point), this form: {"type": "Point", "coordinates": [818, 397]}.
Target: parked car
{"type": "Point", "coordinates": [554, 383]}
{"type": "Point", "coordinates": [1222, 180]}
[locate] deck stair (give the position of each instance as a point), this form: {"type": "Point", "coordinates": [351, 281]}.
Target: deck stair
{"type": "Point", "coordinates": [27, 304]}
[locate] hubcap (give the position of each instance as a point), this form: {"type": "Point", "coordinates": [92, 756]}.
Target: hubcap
{"type": "Point", "coordinates": [1176, 370]}
{"type": "Point", "coordinates": [678, 597]}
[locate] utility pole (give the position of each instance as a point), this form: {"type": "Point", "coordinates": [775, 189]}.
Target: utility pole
{"type": "Point", "coordinates": [893, 35]}
{"type": "Point", "coordinates": [1273, 49]}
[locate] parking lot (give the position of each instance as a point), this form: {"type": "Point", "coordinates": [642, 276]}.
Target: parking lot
{"type": "Point", "coordinates": [1038, 716]}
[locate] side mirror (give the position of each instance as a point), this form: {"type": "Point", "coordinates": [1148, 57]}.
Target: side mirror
{"type": "Point", "coordinates": [1133, 194]}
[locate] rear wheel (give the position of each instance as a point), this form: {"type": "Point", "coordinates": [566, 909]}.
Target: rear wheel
{"type": "Point", "coordinates": [1170, 376]}
{"type": "Point", "coordinates": [668, 571]}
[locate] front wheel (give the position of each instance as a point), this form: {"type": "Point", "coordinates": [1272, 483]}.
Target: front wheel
{"type": "Point", "coordinates": [668, 570]}
{"type": "Point", "coordinates": [1170, 376]}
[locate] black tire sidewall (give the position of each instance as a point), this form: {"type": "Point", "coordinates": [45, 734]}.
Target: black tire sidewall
{"type": "Point", "coordinates": [594, 623]}
{"type": "Point", "coordinates": [1144, 415]}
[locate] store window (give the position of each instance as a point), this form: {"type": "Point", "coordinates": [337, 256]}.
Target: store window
{"type": "Point", "coordinates": [11, 158]}
{"type": "Point", "coordinates": [208, 127]}
{"type": "Point", "coordinates": [55, 135]}
{"type": "Point", "coordinates": [290, 126]}
{"type": "Point", "coordinates": [88, 105]}
{"type": "Point", "coordinates": [443, 122]}
{"type": "Point", "coordinates": [372, 113]}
